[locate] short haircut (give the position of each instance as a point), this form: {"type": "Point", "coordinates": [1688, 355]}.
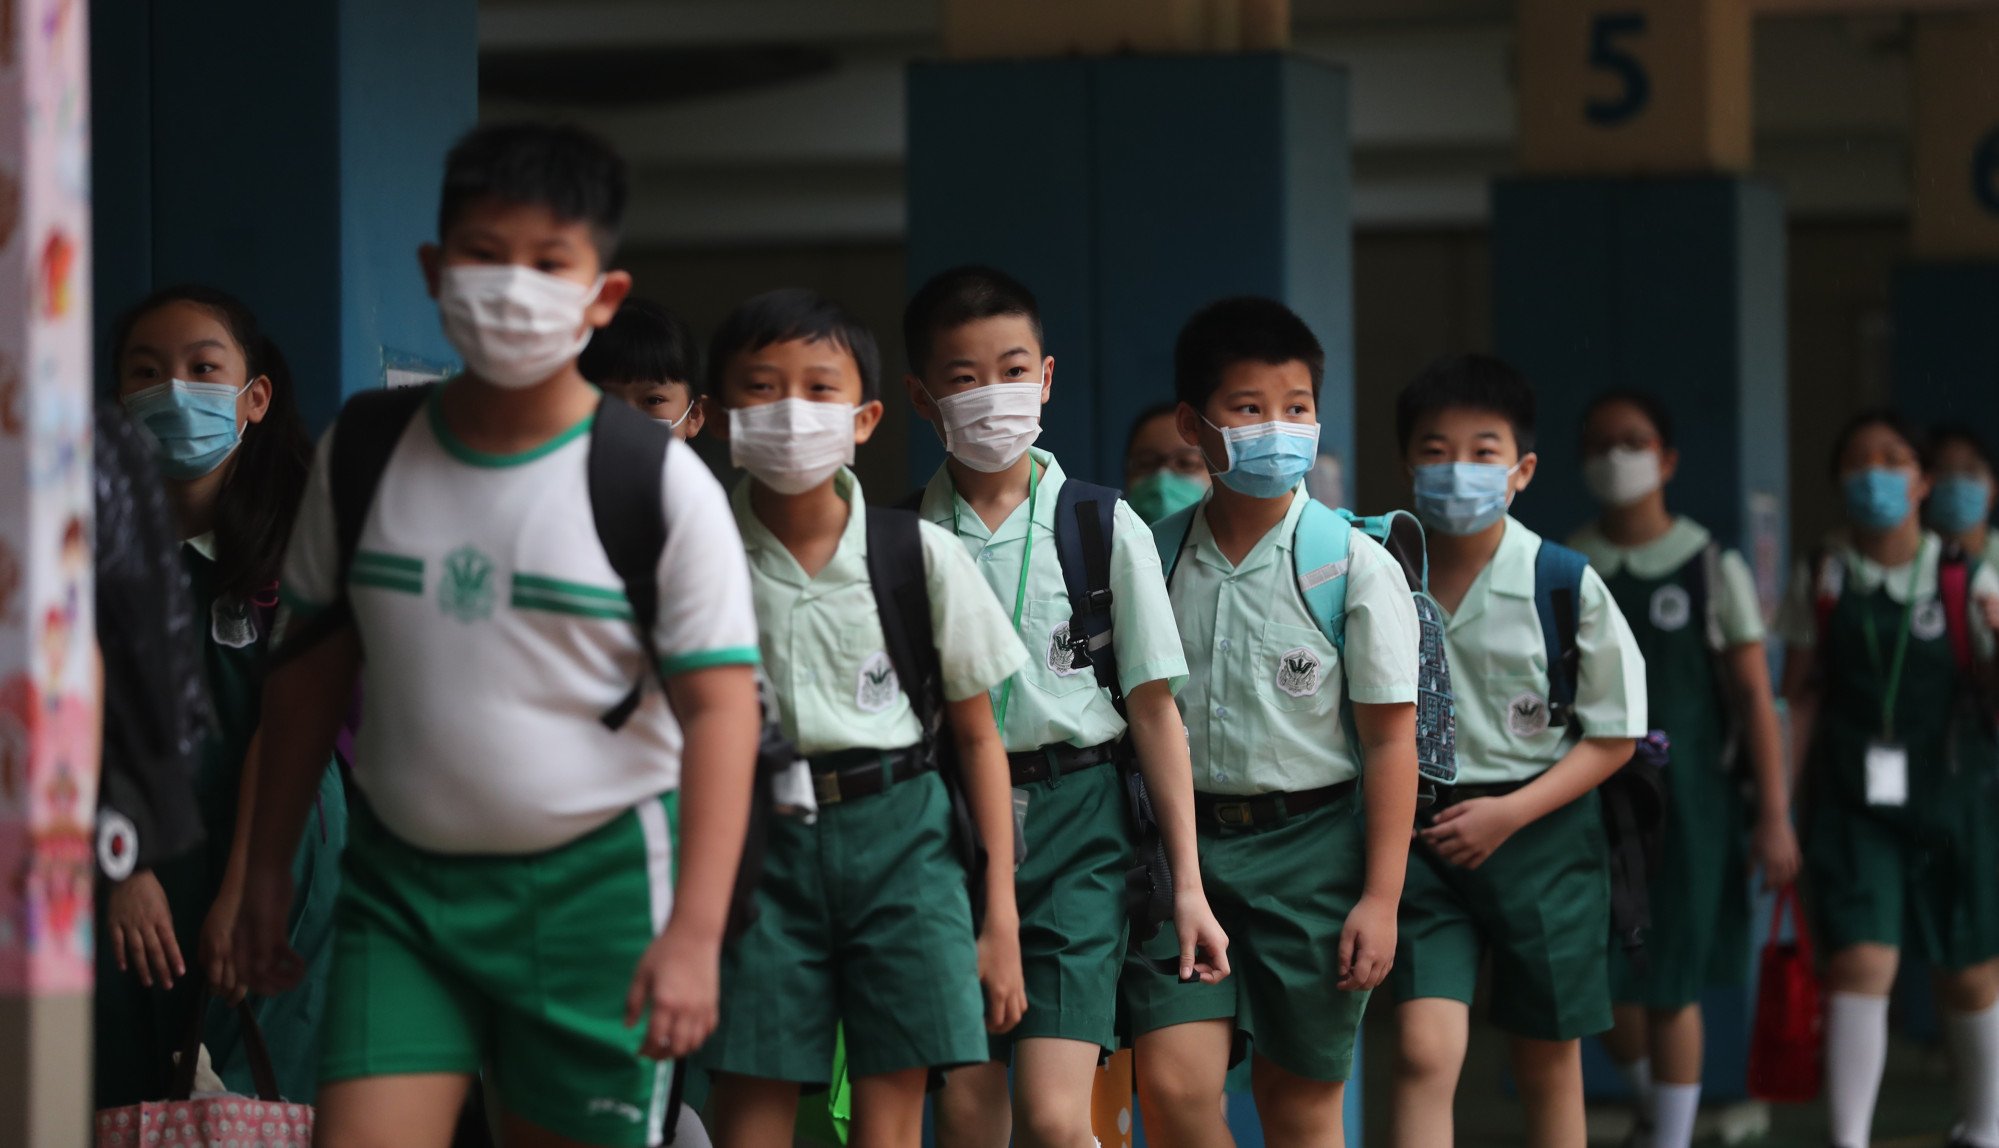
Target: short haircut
{"type": "Point", "coordinates": [794, 313]}
{"type": "Point", "coordinates": [959, 296]}
{"type": "Point", "coordinates": [643, 343]}
{"type": "Point", "coordinates": [1887, 417]}
{"type": "Point", "coordinates": [574, 174]}
{"type": "Point", "coordinates": [1945, 433]}
{"type": "Point", "coordinates": [1473, 382]}
{"type": "Point", "coordinates": [1648, 404]}
{"type": "Point", "coordinates": [1244, 329]}
{"type": "Point", "coordinates": [1154, 411]}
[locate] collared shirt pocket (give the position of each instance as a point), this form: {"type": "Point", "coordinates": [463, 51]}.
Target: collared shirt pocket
{"type": "Point", "coordinates": [1295, 670]}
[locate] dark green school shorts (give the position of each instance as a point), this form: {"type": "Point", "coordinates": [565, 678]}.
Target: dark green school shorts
{"type": "Point", "coordinates": [1540, 906]}
{"type": "Point", "coordinates": [1282, 894]}
{"type": "Point", "coordinates": [863, 920]}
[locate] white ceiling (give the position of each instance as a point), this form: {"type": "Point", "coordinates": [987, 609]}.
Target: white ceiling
{"type": "Point", "coordinates": [820, 158]}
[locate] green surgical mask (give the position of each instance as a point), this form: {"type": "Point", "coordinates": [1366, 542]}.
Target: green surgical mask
{"type": "Point", "coordinates": [1164, 492]}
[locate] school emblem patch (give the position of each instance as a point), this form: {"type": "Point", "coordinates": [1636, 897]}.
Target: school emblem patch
{"type": "Point", "coordinates": [1298, 672]}
{"type": "Point", "coordinates": [1927, 622]}
{"type": "Point", "coordinates": [875, 689]}
{"type": "Point", "coordinates": [466, 590]}
{"type": "Point", "coordinates": [1527, 715]}
{"type": "Point", "coordinates": [1061, 659]}
{"type": "Point", "coordinates": [1672, 607]}
{"type": "Point", "coordinates": [231, 624]}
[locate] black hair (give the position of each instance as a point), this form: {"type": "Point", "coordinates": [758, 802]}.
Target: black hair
{"type": "Point", "coordinates": [794, 313]}
{"type": "Point", "coordinates": [1962, 434]}
{"type": "Point", "coordinates": [1648, 404]}
{"type": "Point", "coordinates": [961, 295]}
{"type": "Point", "coordinates": [1475, 382]}
{"type": "Point", "coordinates": [1145, 416]}
{"type": "Point", "coordinates": [1879, 417]}
{"type": "Point", "coordinates": [573, 173]}
{"type": "Point", "coordinates": [260, 494]}
{"type": "Point", "coordinates": [1244, 329]}
{"type": "Point", "coordinates": [643, 343]}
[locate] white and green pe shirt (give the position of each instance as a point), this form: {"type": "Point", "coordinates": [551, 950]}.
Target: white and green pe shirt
{"type": "Point", "coordinates": [496, 634]}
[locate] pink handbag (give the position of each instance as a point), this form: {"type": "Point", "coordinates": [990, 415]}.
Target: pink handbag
{"type": "Point", "coordinates": [212, 1121]}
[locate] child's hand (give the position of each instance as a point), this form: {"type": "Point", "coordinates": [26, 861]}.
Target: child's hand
{"type": "Point", "coordinates": [1200, 935]}
{"type": "Point", "coordinates": [1367, 945]}
{"type": "Point", "coordinates": [218, 944]}
{"type": "Point", "coordinates": [1000, 975]}
{"type": "Point", "coordinates": [264, 959]}
{"type": "Point", "coordinates": [1467, 833]}
{"type": "Point", "coordinates": [1774, 846]}
{"type": "Point", "coordinates": [677, 990]}
{"type": "Point", "coordinates": [141, 925]}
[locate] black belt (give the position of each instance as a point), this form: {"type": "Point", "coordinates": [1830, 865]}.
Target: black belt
{"type": "Point", "coordinates": [851, 774]}
{"type": "Point", "coordinates": [1219, 811]}
{"type": "Point", "coordinates": [1449, 795]}
{"type": "Point", "coordinates": [1055, 760]}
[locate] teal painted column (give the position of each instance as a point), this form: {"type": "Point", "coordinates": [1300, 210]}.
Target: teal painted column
{"type": "Point", "coordinates": [1129, 192]}
{"type": "Point", "coordinates": [1674, 286]}
{"type": "Point", "coordinates": [1144, 188]}
{"type": "Point", "coordinates": [301, 177]}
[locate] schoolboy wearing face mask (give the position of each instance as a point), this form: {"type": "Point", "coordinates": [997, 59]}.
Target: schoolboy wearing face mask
{"type": "Point", "coordinates": [1693, 608]}
{"type": "Point", "coordinates": [981, 375]}
{"type": "Point", "coordinates": [1520, 837]}
{"type": "Point", "coordinates": [1885, 677]}
{"type": "Point", "coordinates": [1304, 865]}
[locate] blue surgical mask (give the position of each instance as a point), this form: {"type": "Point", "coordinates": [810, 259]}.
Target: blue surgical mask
{"type": "Point", "coordinates": [193, 425]}
{"type": "Point", "coordinates": [1959, 502]}
{"type": "Point", "coordinates": [1462, 498]}
{"type": "Point", "coordinates": [1876, 498]}
{"type": "Point", "coordinates": [1266, 460]}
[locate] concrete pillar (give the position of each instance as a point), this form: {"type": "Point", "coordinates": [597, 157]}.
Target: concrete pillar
{"type": "Point", "coordinates": [301, 179]}
{"type": "Point", "coordinates": [48, 702]}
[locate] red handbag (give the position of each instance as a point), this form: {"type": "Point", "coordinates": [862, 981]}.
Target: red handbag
{"type": "Point", "coordinates": [1786, 1050]}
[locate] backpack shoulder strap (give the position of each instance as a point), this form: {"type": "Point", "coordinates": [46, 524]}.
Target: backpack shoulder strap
{"type": "Point", "coordinates": [1321, 551]}
{"type": "Point", "coordinates": [627, 481]}
{"type": "Point", "coordinates": [1085, 524]}
{"type": "Point", "coordinates": [912, 502]}
{"type": "Point", "coordinates": [1170, 533]}
{"type": "Point", "coordinates": [364, 437]}
{"type": "Point", "coordinates": [1954, 573]}
{"type": "Point", "coordinates": [898, 576]}
{"type": "Point", "coordinates": [1558, 581]}
{"type": "Point", "coordinates": [1701, 575]}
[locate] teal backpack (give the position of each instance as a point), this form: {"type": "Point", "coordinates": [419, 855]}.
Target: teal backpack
{"type": "Point", "coordinates": [1322, 549]}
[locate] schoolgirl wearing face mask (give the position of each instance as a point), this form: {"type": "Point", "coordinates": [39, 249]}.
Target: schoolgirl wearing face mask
{"type": "Point", "coordinates": [1693, 608]}
{"type": "Point", "coordinates": [214, 399]}
{"type": "Point", "coordinates": [1889, 638]}
{"type": "Point", "coordinates": [1961, 498]}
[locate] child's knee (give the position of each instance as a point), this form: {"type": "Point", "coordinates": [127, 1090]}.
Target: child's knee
{"type": "Point", "coordinates": [1053, 1124]}
{"type": "Point", "coordinates": [1174, 1091]}
{"type": "Point", "coordinates": [1426, 1055]}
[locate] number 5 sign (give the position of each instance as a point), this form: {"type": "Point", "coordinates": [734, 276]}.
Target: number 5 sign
{"type": "Point", "coordinates": [1625, 87]}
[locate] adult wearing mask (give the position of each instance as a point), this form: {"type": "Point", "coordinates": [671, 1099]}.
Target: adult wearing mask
{"type": "Point", "coordinates": [1162, 473]}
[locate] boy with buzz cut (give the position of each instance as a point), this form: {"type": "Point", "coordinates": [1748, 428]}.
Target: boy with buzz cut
{"type": "Point", "coordinates": [864, 920]}
{"type": "Point", "coordinates": [1304, 859]}
{"type": "Point", "coordinates": [1512, 863]}
{"type": "Point", "coordinates": [979, 373]}
{"type": "Point", "coordinates": [513, 904]}
{"type": "Point", "coordinates": [646, 356]}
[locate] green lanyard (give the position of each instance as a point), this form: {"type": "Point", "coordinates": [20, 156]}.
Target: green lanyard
{"type": "Point", "coordinates": [1020, 591]}
{"type": "Point", "coordinates": [1901, 650]}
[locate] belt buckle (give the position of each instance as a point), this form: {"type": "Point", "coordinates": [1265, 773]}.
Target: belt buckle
{"type": "Point", "coordinates": [826, 788]}
{"type": "Point", "coordinates": [1232, 814]}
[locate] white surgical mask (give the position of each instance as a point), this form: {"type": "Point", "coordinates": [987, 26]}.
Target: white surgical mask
{"type": "Point", "coordinates": [1622, 475]}
{"type": "Point", "coordinates": [792, 445]}
{"type": "Point", "coordinates": [988, 428]}
{"type": "Point", "coordinates": [513, 325]}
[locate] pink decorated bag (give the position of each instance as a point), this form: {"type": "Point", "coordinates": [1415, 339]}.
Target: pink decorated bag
{"type": "Point", "coordinates": [188, 1121]}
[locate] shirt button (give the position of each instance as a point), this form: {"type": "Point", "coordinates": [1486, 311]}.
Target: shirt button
{"type": "Point", "coordinates": [1225, 645]}
{"type": "Point", "coordinates": [1221, 711]}
{"type": "Point", "coordinates": [1221, 775]}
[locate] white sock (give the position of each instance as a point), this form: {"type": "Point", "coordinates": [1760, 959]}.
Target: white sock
{"type": "Point", "coordinates": [1974, 1052]}
{"type": "Point", "coordinates": [1674, 1109]}
{"type": "Point", "coordinates": [689, 1133]}
{"type": "Point", "coordinates": [1638, 1074]}
{"type": "Point", "coordinates": [1856, 1053]}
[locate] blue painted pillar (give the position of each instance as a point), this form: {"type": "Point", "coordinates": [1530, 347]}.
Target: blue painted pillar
{"type": "Point", "coordinates": [1675, 286]}
{"type": "Point", "coordinates": [1129, 192]}
{"type": "Point", "coordinates": [1139, 189]}
{"type": "Point", "coordinates": [302, 176]}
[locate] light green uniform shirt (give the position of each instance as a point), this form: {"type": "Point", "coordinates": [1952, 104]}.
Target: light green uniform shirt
{"type": "Point", "coordinates": [1055, 701]}
{"type": "Point", "coordinates": [1732, 599]}
{"type": "Point", "coordinates": [1499, 670]}
{"type": "Point", "coordinates": [1797, 622]}
{"type": "Point", "coordinates": [1263, 701]}
{"type": "Point", "coordinates": [822, 643]}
